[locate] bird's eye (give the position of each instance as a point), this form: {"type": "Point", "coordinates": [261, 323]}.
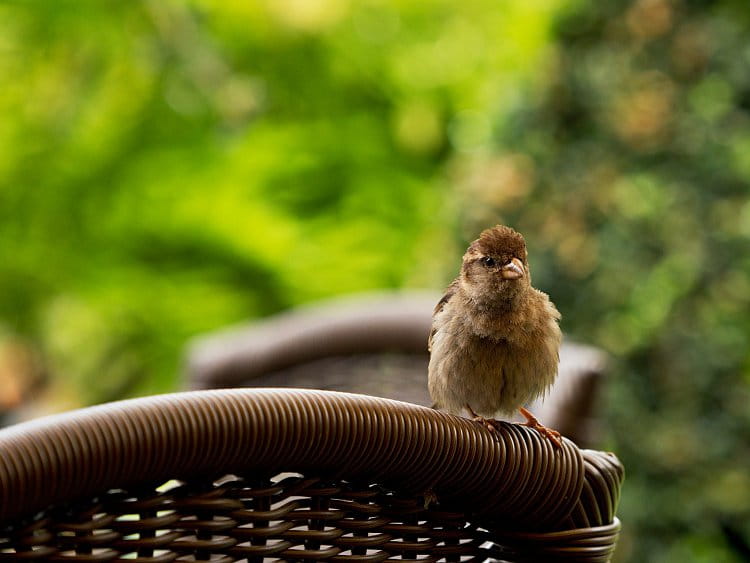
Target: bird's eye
{"type": "Point", "coordinates": [488, 261]}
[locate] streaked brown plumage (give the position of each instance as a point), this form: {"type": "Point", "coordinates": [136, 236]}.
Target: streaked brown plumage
{"type": "Point", "coordinates": [495, 340]}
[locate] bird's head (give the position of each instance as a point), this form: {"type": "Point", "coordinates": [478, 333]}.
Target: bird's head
{"type": "Point", "coordinates": [495, 267]}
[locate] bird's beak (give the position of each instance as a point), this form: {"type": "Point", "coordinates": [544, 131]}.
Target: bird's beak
{"type": "Point", "coordinates": [512, 270]}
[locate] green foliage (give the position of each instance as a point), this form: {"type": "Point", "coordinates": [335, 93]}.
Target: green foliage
{"type": "Point", "coordinates": [167, 168]}
{"type": "Point", "coordinates": [626, 167]}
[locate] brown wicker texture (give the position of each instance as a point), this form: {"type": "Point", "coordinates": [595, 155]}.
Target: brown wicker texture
{"type": "Point", "coordinates": [295, 475]}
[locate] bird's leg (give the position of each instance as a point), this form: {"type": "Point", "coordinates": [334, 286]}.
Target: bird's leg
{"type": "Point", "coordinates": [532, 422]}
{"type": "Point", "coordinates": [488, 423]}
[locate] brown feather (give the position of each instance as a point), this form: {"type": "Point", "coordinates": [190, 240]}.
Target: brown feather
{"type": "Point", "coordinates": [449, 292]}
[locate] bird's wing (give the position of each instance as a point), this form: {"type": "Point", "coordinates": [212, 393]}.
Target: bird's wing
{"type": "Point", "coordinates": [449, 292]}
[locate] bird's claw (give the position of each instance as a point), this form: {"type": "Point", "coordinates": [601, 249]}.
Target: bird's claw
{"type": "Point", "coordinates": [489, 423]}
{"type": "Point", "coordinates": [532, 422]}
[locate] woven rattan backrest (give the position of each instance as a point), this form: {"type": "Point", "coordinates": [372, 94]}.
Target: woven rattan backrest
{"type": "Point", "coordinates": [295, 475]}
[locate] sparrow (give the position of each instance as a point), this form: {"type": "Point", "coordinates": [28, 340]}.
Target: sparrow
{"type": "Point", "coordinates": [495, 340]}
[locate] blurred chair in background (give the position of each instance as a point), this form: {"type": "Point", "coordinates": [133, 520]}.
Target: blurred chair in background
{"type": "Point", "coordinates": [375, 344]}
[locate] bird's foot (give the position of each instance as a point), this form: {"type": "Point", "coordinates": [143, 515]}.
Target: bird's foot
{"type": "Point", "coordinates": [489, 423]}
{"type": "Point", "coordinates": [552, 435]}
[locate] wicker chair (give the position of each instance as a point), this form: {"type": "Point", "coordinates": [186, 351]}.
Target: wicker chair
{"type": "Point", "coordinates": [279, 474]}
{"type": "Point", "coordinates": [374, 344]}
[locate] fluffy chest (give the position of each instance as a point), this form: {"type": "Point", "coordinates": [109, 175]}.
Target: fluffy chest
{"type": "Point", "coordinates": [485, 358]}
{"type": "Point", "coordinates": [493, 366]}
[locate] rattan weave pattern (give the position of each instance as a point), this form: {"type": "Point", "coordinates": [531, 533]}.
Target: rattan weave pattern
{"type": "Point", "coordinates": [90, 485]}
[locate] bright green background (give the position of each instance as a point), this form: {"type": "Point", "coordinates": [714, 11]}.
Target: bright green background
{"type": "Point", "coordinates": [168, 168]}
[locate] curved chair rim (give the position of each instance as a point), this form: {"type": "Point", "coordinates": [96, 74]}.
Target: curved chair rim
{"type": "Point", "coordinates": [515, 475]}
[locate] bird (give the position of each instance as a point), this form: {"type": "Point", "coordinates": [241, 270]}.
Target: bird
{"type": "Point", "coordinates": [495, 340]}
